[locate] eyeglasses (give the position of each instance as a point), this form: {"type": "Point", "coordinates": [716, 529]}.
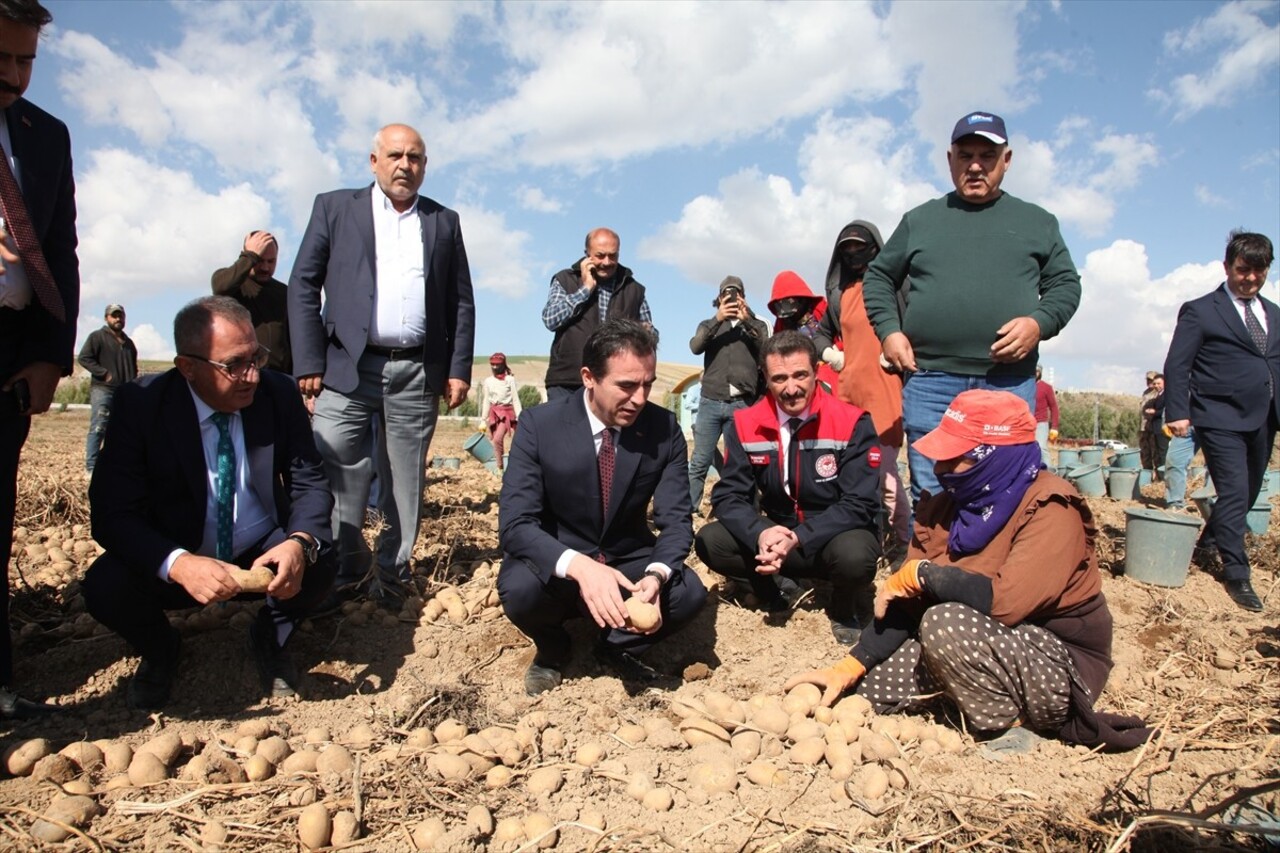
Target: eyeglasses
{"type": "Point", "coordinates": [239, 368]}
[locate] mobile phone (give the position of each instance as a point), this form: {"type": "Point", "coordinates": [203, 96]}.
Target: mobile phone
{"type": "Point", "coordinates": [22, 395]}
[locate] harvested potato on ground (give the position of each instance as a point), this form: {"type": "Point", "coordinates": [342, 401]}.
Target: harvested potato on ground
{"type": "Point", "coordinates": [450, 730]}
{"type": "Point", "coordinates": [590, 754]}
{"type": "Point", "coordinates": [84, 754]}
{"type": "Point", "coordinates": [771, 719]}
{"type": "Point", "coordinates": [698, 731]}
{"type": "Point", "coordinates": [874, 782]}
{"type": "Point", "coordinates": [765, 775]}
{"type": "Point", "coordinates": [715, 777]}
{"type": "Point", "coordinates": [427, 834]}
{"type": "Point", "coordinates": [257, 768]}
{"type": "Point", "coordinates": [544, 780]}
{"type": "Point", "coordinates": [746, 745]}
{"type": "Point", "coordinates": [334, 758]}
{"type": "Point", "coordinates": [632, 734]}
{"type": "Point", "coordinates": [639, 785]}
{"type": "Point", "coordinates": [345, 828]}
{"type": "Point", "coordinates": [20, 759]}
{"type": "Point", "coordinates": [498, 777]}
{"type": "Point", "coordinates": [315, 827]}
{"type": "Point", "coordinates": [658, 800]}
{"type": "Point", "coordinates": [73, 811]}
{"type": "Point", "coordinates": [510, 830]}
{"type": "Point", "coordinates": [480, 821]}
{"type": "Point", "coordinates": [803, 698]}
{"type": "Point", "coordinates": [56, 768]}
{"type": "Point", "coordinates": [540, 827]}
{"type": "Point", "coordinates": [449, 767]}
{"type": "Point", "coordinates": [808, 751]}
{"type": "Point", "coordinates": [147, 769]}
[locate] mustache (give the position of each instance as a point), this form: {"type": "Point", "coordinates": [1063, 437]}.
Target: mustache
{"type": "Point", "coordinates": [10, 89]}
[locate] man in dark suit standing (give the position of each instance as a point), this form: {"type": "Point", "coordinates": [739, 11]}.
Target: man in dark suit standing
{"type": "Point", "coordinates": [39, 280]}
{"type": "Point", "coordinates": [572, 522]}
{"type": "Point", "coordinates": [1221, 377]}
{"type": "Point", "coordinates": [396, 336]}
{"type": "Point", "coordinates": [208, 468]}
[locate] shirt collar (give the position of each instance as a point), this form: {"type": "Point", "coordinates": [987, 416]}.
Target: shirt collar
{"type": "Point", "coordinates": [596, 423]}
{"type": "Point", "coordinates": [203, 410]}
{"type": "Point", "coordinates": [783, 417]}
{"type": "Point", "coordinates": [381, 202]}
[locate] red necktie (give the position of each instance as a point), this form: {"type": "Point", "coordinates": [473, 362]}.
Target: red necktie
{"type": "Point", "coordinates": [18, 223]}
{"type": "Point", "coordinates": [604, 462]}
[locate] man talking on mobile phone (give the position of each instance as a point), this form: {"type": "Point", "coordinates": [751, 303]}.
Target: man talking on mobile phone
{"type": "Point", "coordinates": [582, 297]}
{"type": "Point", "coordinates": [39, 281]}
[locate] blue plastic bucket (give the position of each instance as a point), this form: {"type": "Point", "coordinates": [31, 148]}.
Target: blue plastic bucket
{"type": "Point", "coordinates": [1068, 458]}
{"type": "Point", "coordinates": [480, 447]}
{"type": "Point", "coordinates": [1123, 485]}
{"type": "Point", "coordinates": [1204, 500]}
{"type": "Point", "coordinates": [1259, 517]}
{"type": "Point", "coordinates": [1158, 545]}
{"type": "Point", "coordinates": [1273, 482]}
{"type": "Point", "coordinates": [1131, 458]}
{"type": "Point", "coordinates": [1194, 471]}
{"type": "Point", "coordinates": [1144, 477]}
{"type": "Point", "coordinates": [1088, 480]}
{"type": "Point", "coordinates": [1091, 455]}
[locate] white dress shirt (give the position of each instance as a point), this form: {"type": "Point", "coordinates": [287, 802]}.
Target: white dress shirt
{"type": "Point", "coordinates": [15, 290]}
{"type": "Point", "coordinates": [784, 433]}
{"type": "Point", "coordinates": [399, 317]}
{"type": "Point", "coordinates": [252, 521]}
{"type": "Point", "coordinates": [1255, 308]}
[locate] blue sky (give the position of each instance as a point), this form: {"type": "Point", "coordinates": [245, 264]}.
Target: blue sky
{"type": "Point", "coordinates": [716, 138]}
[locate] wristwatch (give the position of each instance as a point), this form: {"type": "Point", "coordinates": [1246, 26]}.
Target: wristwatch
{"type": "Point", "coordinates": [310, 550]}
{"type": "Point", "coordinates": [656, 575]}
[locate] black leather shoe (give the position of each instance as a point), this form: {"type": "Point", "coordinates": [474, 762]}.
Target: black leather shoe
{"type": "Point", "coordinates": [846, 631]}
{"type": "Point", "coordinates": [14, 707]}
{"type": "Point", "coordinates": [149, 689]}
{"type": "Point", "coordinates": [275, 668]}
{"type": "Point", "coordinates": [626, 665]}
{"type": "Point", "coordinates": [1242, 594]}
{"type": "Point", "coordinates": [540, 679]}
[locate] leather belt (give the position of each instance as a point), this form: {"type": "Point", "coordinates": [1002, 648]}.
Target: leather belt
{"type": "Point", "coordinates": [396, 353]}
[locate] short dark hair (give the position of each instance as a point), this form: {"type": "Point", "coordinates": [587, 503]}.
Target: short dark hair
{"type": "Point", "coordinates": [788, 343]}
{"type": "Point", "coordinates": [27, 13]}
{"type": "Point", "coordinates": [193, 323]}
{"type": "Point", "coordinates": [1254, 249]}
{"type": "Point", "coordinates": [617, 336]}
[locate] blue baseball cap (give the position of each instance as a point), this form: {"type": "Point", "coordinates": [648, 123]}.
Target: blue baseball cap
{"type": "Point", "coordinates": [987, 125]}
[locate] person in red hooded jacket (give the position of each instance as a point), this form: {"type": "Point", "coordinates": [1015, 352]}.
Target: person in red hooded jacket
{"type": "Point", "coordinates": [796, 307]}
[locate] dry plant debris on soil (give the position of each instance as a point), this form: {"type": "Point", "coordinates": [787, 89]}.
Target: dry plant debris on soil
{"type": "Point", "coordinates": [415, 732]}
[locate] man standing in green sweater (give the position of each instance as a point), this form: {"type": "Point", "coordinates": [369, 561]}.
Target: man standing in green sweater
{"type": "Point", "coordinates": [986, 277]}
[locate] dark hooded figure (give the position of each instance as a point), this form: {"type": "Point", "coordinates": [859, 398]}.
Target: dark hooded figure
{"type": "Point", "coordinates": [864, 380]}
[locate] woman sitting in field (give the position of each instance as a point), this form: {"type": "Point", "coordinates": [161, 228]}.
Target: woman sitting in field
{"type": "Point", "coordinates": [999, 605]}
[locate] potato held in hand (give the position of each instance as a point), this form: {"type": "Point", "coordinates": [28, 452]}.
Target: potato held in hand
{"type": "Point", "coordinates": [641, 615]}
{"type": "Point", "coordinates": [256, 579]}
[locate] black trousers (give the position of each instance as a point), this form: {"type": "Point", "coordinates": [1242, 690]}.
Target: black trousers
{"type": "Point", "coordinates": [1237, 462]}
{"type": "Point", "coordinates": [540, 609]}
{"type": "Point", "coordinates": [848, 561]}
{"type": "Point", "coordinates": [13, 434]}
{"type": "Point", "coordinates": [132, 600]}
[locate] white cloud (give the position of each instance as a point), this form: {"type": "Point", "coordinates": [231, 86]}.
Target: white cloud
{"type": "Point", "coordinates": [759, 224]}
{"type": "Point", "coordinates": [533, 198]}
{"type": "Point", "coordinates": [151, 344]}
{"type": "Point", "coordinates": [148, 230]}
{"type": "Point", "coordinates": [1245, 49]}
{"type": "Point", "coordinates": [499, 256]}
{"type": "Point", "coordinates": [1126, 317]}
{"type": "Point", "coordinates": [1079, 182]}
{"type": "Point", "coordinates": [1208, 198]}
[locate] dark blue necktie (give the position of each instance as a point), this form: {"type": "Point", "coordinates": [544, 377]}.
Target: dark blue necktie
{"type": "Point", "coordinates": [226, 485]}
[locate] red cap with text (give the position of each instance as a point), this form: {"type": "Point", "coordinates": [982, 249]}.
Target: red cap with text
{"type": "Point", "coordinates": [979, 417]}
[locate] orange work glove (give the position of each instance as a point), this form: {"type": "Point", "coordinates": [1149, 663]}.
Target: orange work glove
{"type": "Point", "coordinates": [833, 680]}
{"type": "Point", "coordinates": [904, 583]}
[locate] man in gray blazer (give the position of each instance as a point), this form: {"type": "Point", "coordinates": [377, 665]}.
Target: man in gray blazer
{"type": "Point", "coordinates": [395, 337]}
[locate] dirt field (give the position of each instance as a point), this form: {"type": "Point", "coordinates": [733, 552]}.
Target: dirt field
{"type": "Point", "coordinates": [377, 744]}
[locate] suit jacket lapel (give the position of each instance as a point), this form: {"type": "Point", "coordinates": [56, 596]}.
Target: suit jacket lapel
{"type": "Point", "coordinates": [188, 448]}
{"type": "Point", "coordinates": [259, 442]}
{"type": "Point", "coordinates": [630, 442]}
{"type": "Point", "coordinates": [428, 223]}
{"type": "Point", "coordinates": [1226, 306]}
{"type": "Point", "coordinates": [363, 202]}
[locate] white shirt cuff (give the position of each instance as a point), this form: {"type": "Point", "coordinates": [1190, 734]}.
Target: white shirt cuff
{"type": "Point", "coordinates": [163, 573]}
{"type": "Point", "coordinates": [562, 564]}
{"type": "Point", "coordinates": [662, 569]}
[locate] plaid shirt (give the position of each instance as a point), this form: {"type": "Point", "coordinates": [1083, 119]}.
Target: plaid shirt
{"type": "Point", "coordinates": [562, 307]}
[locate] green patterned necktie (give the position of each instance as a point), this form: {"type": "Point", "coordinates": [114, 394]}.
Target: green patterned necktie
{"type": "Point", "coordinates": [226, 484]}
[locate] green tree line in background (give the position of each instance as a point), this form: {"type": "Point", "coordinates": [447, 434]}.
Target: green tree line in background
{"type": "Point", "coordinates": [1117, 416]}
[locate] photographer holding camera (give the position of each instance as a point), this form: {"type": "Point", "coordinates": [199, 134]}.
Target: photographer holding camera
{"type": "Point", "coordinates": [729, 343]}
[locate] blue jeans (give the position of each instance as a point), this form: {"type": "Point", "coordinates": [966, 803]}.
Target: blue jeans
{"type": "Point", "coordinates": [1176, 460]}
{"type": "Point", "coordinates": [925, 398]}
{"type": "Point", "coordinates": [99, 413]}
{"type": "Point", "coordinates": [713, 419]}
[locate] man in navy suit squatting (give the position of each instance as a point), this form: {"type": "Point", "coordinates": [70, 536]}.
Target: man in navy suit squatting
{"type": "Point", "coordinates": [208, 468]}
{"type": "Point", "coordinates": [1221, 377]}
{"type": "Point", "coordinates": [39, 281]}
{"type": "Point", "coordinates": [573, 526]}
